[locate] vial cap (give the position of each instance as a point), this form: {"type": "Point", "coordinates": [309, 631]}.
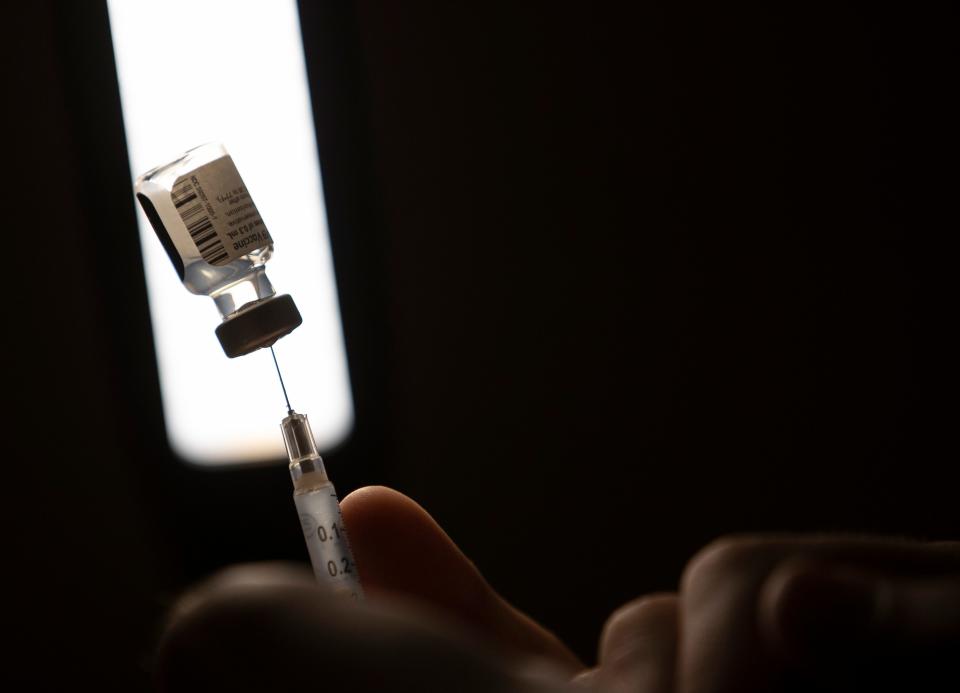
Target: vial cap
{"type": "Point", "coordinates": [258, 326]}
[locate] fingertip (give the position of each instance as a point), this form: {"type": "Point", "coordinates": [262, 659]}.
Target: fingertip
{"type": "Point", "coordinates": [650, 620]}
{"type": "Point", "coordinates": [379, 509]}
{"type": "Point", "coordinates": [372, 494]}
{"type": "Point", "coordinates": [807, 608]}
{"type": "Point", "coordinates": [638, 646]}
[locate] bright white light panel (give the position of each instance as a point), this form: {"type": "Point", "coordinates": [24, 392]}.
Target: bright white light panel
{"type": "Point", "coordinates": [196, 71]}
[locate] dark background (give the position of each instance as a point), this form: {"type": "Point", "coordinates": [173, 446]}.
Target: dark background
{"type": "Point", "coordinates": [614, 282]}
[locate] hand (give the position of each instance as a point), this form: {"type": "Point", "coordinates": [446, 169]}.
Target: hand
{"type": "Point", "coordinates": [795, 614]}
{"type": "Point", "coordinates": [822, 614]}
{"type": "Point", "coordinates": [747, 619]}
{"type": "Point", "coordinates": [430, 622]}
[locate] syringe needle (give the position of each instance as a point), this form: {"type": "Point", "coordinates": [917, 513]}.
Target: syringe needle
{"type": "Point", "coordinates": [282, 386]}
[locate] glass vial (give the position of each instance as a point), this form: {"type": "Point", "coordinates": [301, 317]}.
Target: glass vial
{"type": "Point", "coordinates": [213, 234]}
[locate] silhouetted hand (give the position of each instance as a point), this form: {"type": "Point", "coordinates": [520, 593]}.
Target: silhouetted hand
{"type": "Point", "coordinates": [430, 622]}
{"type": "Point", "coordinates": [753, 614]}
{"type": "Point", "coordinates": [821, 614]}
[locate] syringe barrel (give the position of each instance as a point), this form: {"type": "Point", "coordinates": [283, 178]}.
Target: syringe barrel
{"type": "Point", "coordinates": [326, 539]}
{"type": "Point", "coordinates": [319, 510]}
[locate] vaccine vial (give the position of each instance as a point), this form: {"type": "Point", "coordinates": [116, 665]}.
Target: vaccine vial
{"type": "Point", "coordinates": [209, 226]}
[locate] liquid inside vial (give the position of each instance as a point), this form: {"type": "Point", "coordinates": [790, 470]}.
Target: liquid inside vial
{"type": "Point", "coordinates": [209, 226]}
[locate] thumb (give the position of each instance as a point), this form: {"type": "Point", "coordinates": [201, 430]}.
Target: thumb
{"type": "Point", "coordinates": [401, 550]}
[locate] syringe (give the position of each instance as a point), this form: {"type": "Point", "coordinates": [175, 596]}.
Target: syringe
{"type": "Point", "coordinates": [320, 517]}
{"type": "Point", "coordinates": [189, 203]}
{"type": "Point", "coordinates": [317, 503]}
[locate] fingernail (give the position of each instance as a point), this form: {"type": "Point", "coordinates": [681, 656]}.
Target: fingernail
{"type": "Point", "coordinates": [823, 611]}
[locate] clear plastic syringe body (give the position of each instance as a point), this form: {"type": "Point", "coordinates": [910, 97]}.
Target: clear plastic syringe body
{"type": "Point", "coordinates": [319, 510]}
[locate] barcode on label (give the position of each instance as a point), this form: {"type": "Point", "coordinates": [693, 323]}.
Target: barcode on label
{"type": "Point", "coordinates": [198, 224]}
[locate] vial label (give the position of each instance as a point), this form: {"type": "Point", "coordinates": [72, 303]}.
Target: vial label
{"type": "Point", "coordinates": [218, 212]}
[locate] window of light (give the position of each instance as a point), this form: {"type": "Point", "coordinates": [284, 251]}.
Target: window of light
{"type": "Point", "coordinates": [233, 72]}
